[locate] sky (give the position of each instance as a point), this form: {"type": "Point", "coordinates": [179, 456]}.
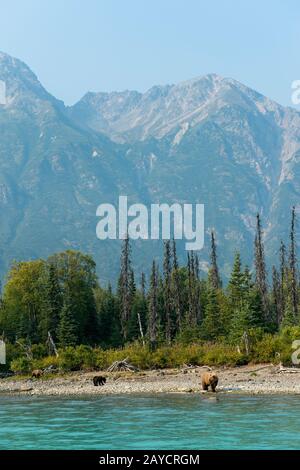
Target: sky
{"type": "Point", "coordinates": [75, 46]}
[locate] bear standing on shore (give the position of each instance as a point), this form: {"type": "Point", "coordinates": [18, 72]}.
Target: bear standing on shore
{"type": "Point", "coordinates": [37, 373]}
{"type": "Point", "coordinates": [99, 380]}
{"type": "Point", "coordinates": [209, 379]}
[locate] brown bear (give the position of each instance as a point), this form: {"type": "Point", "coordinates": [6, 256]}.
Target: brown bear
{"type": "Point", "coordinates": [209, 379]}
{"type": "Point", "coordinates": [37, 373]}
{"type": "Point", "coordinates": [99, 380]}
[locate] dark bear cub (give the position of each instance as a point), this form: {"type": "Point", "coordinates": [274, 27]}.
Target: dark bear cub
{"type": "Point", "coordinates": [37, 373]}
{"type": "Point", "coordinates": [99, 380]}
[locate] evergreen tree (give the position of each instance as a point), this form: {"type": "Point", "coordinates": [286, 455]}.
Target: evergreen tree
{"type": "Point", "coordinates": [283, 271]}
{"type": "Point", "coordinates": [143, 285]}
{"type": "Point", "coordinates": [125, 286]}
{"type": "Point", "coordinates": [255, 309]}
{"type": "Point", "coordinates": [143, 306]}
{"type": "Point", "coordinates": [247, 278]}
{"type": "Point", "coordinates": [139, 311]}
{"type": "Point", "coordinates": [293, 266]}
{"type": "Point", "coordinates": [168, 291]}
{"type": "Point", "coordinates": [260, 269]}
{"type": "Point", "coordinates": [276, 296]}
{"type": "Point", "coordinates": [153, 307]}
{"type": "Point", "coordinates": [191, 314]}
{"type": "Point", "coordinates": [67, 328]}
{"type": "Point", "coordinates": [193, 291]}
{"type": "Point", "coordinates": [214, 270]}
{"type": "Point", "coordinates": [91, 330]}
{"type": "Point", "coordinates": [197, 291]}
{"type": "Point", "coordinates": [53, 301]}
{"type": "Point", "coordinates": [236, 285]}
{"type": "Point", "coordinates": [110, 334]}
{"type": "Point", "coordinates": [211, 326]}
{"type": "Point", "coordinates": [132, 286]}
{"type": "Point", "coordinates": [244, 300]}
{"type": "Point", "coordinates": [289, 318]}
{"type": "Point", "coordinates": [176, 288]}
{"type": "Point", "coordinates": [77, 277]}
{"type": "Point", "coordinates": [240, 323]}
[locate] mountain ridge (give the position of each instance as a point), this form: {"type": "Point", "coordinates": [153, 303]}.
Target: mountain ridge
{"type": "Point", "coordinates": [210, 140]}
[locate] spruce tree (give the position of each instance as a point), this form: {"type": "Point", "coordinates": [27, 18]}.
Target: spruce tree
{"type": "Point", "coordinates": [67, 328]}
{"type": "Point", "coordinates": [125, 288]}
{"type": "Point", "coordinates": [143, 285]}
{"type": "Point", "coordinates": [214, 270]}
{"type": "Point", "coordinates": [168, 291]}
{"type": "Point", "coordinates": [276, 295]}
{"type": "Point", "coordinates": [153, 307]}
{"type": "Point", "coordinates": [244, 300]}
{"type": "Point", "coordinates": [176, 288]}
{"type": "Point", "coordinates": [193, 291]}
{"type": "Point", "coordinates": [197, 291]}
{"type": "Point", "coordinates": [255, 309]}
{"type": "Point", "coordinates": [211, 327]}
{"type": "Point", "coordinates": [289, 318]}
{"type": "Point", "coordinates": [282, 284]}
{"type": "Point", "coordinates": [236, 283]}
{"type": "Point", "coordinates": [77, 277]}
{"type": "Point", "coordinates": [54, 301]}
{"type": "Point", "coordinates": [240, 323]}
{"type": "Point", "coordinates": [293, 266]}
{"type": "Point", "coordinates": [91, 330]}
{"type": "Point", "coordinates": [260, 268]}
{"type": "Point", "coordinates": [110, 334]}
{"type": "Point", "coordinates": [191, 314]}
{"type": "Point", "coordinates": [143, 307]}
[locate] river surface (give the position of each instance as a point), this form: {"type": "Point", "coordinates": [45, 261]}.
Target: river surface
{"type": "Point", "coordinates": [151, 422]}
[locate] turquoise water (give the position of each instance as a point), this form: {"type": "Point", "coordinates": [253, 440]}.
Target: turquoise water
{"type": "Point", "coordinates": [150, 422]}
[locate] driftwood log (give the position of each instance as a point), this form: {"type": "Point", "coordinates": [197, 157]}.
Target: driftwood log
{"type": "Point", "coordinates": [122, 366]}
{"type": "Point", "coordinates": [290, 370]}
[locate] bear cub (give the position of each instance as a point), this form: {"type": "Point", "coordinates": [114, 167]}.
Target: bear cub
{"type": "Point", "coordinates": [99, 380]}
{"type": "Point", "coordinates": [37, 373]}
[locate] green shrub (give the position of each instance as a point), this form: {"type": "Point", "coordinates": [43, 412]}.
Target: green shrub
{"type": "Point", "coordinates": [140, 356]}
{"type": "Point", "coordinates": [39, 351]}
{"type": "Point", "coordinates": [290, 334]}
{"type": "Point", "coordinates": [46, 362]}
{"type": "Point", "coordinates": [68, 360]}
{"type": "Point", "coordinates": [86, 357]}
{"type": "Point", "coordinates": [21, 365]}
{"type": "Point", "coordinates": [219, 355]}
{"type": "Point", "coordinates": [101, 359]}
{"type": "Point", "coordinates": [192, 354]}
{"type": "Point", "coordinates": [266, 349]}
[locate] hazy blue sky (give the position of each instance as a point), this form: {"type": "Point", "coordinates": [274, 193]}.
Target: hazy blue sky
{"type": "Point", "coordinates": [101, 45]}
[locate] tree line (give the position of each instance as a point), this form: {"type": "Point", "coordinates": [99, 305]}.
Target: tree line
{"type": "Point", "coordinates": [62, 296]}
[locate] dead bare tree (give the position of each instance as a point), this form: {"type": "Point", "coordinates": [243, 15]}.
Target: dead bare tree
{"type": "Point", "coordinates": [51, 345]}
{"type": "Point", "coordinates": [123, 365]}
{"type": "Point", "coordinates": [141, 328]}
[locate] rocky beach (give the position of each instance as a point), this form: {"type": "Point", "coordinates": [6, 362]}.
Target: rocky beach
{"type": "Point", "coordinates": [250, 379]}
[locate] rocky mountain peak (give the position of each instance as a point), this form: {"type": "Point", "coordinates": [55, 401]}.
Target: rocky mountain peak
{"type": "Point", "coordinates": [22, 85]}
{"type": "Point", "coordinates": [133, 116]}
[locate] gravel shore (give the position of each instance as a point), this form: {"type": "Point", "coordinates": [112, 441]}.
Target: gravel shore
{"type": "Point", "coordinates": [256, 379]}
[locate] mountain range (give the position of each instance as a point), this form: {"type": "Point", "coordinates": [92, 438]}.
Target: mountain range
{"type": "Point", "coordinates": [208, 140]}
